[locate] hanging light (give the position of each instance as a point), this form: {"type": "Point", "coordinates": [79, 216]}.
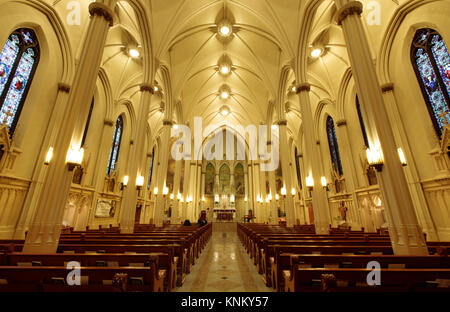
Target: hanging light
{"type": "Point", "coordinates": [316, 52]}
{"type": "Point", "coordinates": [134, 53]}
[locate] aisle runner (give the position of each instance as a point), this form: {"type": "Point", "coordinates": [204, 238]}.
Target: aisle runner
{"type": "Point", "coordinates": [224, 266]}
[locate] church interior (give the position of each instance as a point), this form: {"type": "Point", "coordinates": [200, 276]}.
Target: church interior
{"type": "Point", "coordinates": [224, 145]}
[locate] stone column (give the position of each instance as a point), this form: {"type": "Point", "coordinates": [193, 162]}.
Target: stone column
{"type": "Point", "coordinates": [273, 219]}
{"type": "Point", "coordinates": [406, 235]}
{"type": "Point", "coordinates": [137, 163]}
{"type": "Point", "coordinates": [202, 188]}
{"type": "Point", "coordinates": [257, 193]}
{"type": "Point", "coordinates": [247, 191]}
{"type": "Point", "coordinates": [284, 157]}
{"type": "Point", "coordinates": [411, 172]}
{"type": "Point", "coordinates": [176, 190]}
{"type": "Point", "coordinates": [349, 172]}
{"type": "Point", "coordinates": [187, 171]}
{"type": "Point", "coordinates": [160, 200]}
{"type": "Point", "coordinates": [45, 228]}
{"type": "Point", "coordinates": [312, 162]}
{"type": "Point", "coordinates": [191, 207]}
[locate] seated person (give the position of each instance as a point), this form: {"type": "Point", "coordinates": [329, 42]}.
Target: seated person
{"type": "Point", "coordinates": [187, 222]}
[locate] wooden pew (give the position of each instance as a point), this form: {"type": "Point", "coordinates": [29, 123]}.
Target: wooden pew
{"type": "Point", "coordinates": [287, 261]}
{"type": "Point", "coordinates": [321, 279]}
{"type": "Point", "coordinates": [165, 261]}
{"type": "Point", "coordinates": [53, 279]}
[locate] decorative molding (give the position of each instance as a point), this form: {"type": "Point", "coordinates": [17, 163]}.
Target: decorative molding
{"type": "Point", "coordinates": [167, 122]}
{"type": "Point", "coordinates": [146, 87]}
{"type": "Point", "coordinates": [353, 7]}
{"type": "Point", "coordinates": [282, 122]}
{"type": "Point", "coordinates": [108, 122]}
{"type": "Point", "coordinates": [341, 123]}
{"type": "Point", "coordinates": [387, 87]}
{"type": "Point", "coordinates": [64, 87]}
{"type": "Point", "coordinates": [303, 87]}
{"type": "Point", "coordinates": [101, 9]}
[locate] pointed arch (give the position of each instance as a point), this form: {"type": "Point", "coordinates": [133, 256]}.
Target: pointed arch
{"type": "Point", "coordinates": [115, 148]}
{"type": "Point", "coordinates": [334, 147]}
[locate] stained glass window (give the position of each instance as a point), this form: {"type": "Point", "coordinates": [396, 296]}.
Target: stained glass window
{"type": "Point", "coordinates": [18, 62]}
{"type": "Point", "coordinates": [334, 148]}
{"type": "Point", "coordinates": [88, 122]}
{"type": "Point", "coordinates": [114, 153]}
{"type": "Point", "coordinates": [297, 164]}
{"type": "Point", "coordinates": [431, 62]}
{"type": "Point", "coordinates": [151, 169]}
{"type": "Point", "coordinates": [361, 122]}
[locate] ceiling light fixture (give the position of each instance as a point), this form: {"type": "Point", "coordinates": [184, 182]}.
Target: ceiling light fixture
{"type": "Point", "coordinates": [225, 69]}
{"type": "Point", "coordinates": [225, 30]}
{"type": "Point", "coordinates": [225, 111]}
{"type": "Point", "coordinates": [316, 52]}
{"type": "Point", "coordinates": [224, 95]}
{"type": "Point", "coordinates": [134, 53]}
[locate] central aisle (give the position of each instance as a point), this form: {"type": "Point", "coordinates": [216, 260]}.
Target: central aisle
{"type": "Point", "coordinates": [224, 266]}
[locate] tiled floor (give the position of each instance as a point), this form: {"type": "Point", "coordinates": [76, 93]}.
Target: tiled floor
{"type": "Point", "coordinates": [224, 266]}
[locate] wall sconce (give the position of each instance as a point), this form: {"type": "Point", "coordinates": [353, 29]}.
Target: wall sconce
{"type": "Point", "coordinates": [375, 158]}
{"type": "Point", "coordinates": [310, 183]}
{"type": "Point", "coordinates": [267, 200]}
{"type": "Point", "coordinates": [277, 197]}
{"type": "Point", "coordinates": [246, 199]}
{"type": "Point", "coordinates": [216, 198]}
{"type": "Point", "coordinates": [139, 182]}
{"type": "Point", "coordinates": [189, 199]}
{"type": "Point", "coordinates": [49, 156]}
{"type": "Point", "coordinates": [171, 196]}
{"type": "Point", "coordinates": [124, 183]}
{"type": "Point", "coordinates": [179, 196]}
{"type": "Point", "coordinates": [74, 157]}
{"type": "Point", "coordinates": [402, 157]}
{"type": "Point", "coordinates": [232, 199]}
{"type": "Point", "coordinates": [165, 191]}
{"type": "Point", "coordinates": [283, 191]}
{"type": "Point", "coordinates": [269, 196]}
{"type": "Point", "coordinates": [293, 192]}
{"type": "Point", "coordinates": [181, 199]}
{"type": "Point", "coordinates": [155, 191]}
{"type": "Point", "coordinates": [203, 198]}
{"type": "Point", "coordinates": [324, 183]}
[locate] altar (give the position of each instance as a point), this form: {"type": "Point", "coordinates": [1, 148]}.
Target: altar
{"type": "Point", "coordinates": [224, 214]}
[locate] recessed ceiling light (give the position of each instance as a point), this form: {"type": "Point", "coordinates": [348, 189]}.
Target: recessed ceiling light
{"type": "Point", "coordinates": [225, 30]}
{"type": "Point", "coordinates": [316, 52]}
{"type": "Point", "coordinates": [224, 111]}
{"type": "Point", "coordinates": [225, 69]}
{"type": "Point", "coordinates": [134, 53]}
{"type": "Point", "coordinates": [225, 95]}
{"type": "Point", "coordinates": [294, 89]}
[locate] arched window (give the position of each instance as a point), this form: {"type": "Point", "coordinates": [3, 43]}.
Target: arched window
{"type": "Point", "coordinates": [431, 62]}
{"type": "Point", "coordinates": [114, 153]}
{"type": "Point", "coordinates": [361, 122]}
{"type": "Point", "coordinates": [151, 169]}
{"type": "Point", "coordinates": [210, 175]}
{"type": "Point", "coordinates": [88, 122]}
{"type": "Point", "coordinates": [297, 165]}
{"type": "Point", "coordinates": [18, 62]}
{"type": "Point", "coordinates": [334, 148]}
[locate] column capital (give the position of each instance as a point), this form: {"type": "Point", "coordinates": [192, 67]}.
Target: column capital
{"type": "Point", "coordinates": [101, 9]}
{"type": "Point", "coordinates": [303, 87]}
{"type": "Point", "coordinates": [149, 155]}
{"type": "Point", "coordinates": [282, 122]}
{"type": "Point", "coordinates": [64, 87]}
{"type": "Point", "coordinates": [146, 87]}
{"type": "Point", "coordinates": [167, 122]}
{"type": "Point", "coordinates": [350, 8]}
{"type": "Point", "coordinates": [131, 142]}
{"type": "Point", "coordinates": [387, 87]}
{"type": "Point", "coordinates": [108, 122]}
{"type": "Point", "coordinates": [341, 123]}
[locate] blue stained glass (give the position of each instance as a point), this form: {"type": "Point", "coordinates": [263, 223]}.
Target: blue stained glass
{"type": "Point", "coordinates": [114, 153]}
{"type": "Point", "coordinates": [334, 148]}
{"type": "Point", "coordinates": [432, 63]}
{"type": "Point", "coordinates": [432, 88]}
{"type": "Point", "coordinates": [442, 58]}
{"type": "Point", "coordinates": [17, 88]}
{"type": "Point", "coordinates": [7, 60]}
{"type": "Point", "coordinates": [151, 170]}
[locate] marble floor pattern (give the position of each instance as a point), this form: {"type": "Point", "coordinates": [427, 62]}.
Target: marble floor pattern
{"type": "Point", "coordinates": [224, 266]}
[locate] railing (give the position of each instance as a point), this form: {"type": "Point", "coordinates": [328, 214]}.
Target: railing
{"type": "Point", "coordinates": [371, 208]}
